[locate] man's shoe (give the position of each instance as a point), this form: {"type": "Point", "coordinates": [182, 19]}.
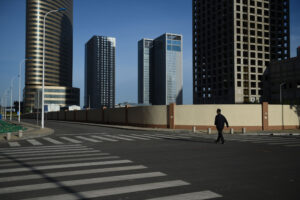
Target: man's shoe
{"type": "Point", "coordinates": [223, 142]}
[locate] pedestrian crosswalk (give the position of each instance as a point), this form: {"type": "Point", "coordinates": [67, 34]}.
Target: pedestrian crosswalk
{"type": "Point", "coordinates": [287, 141]}
{"type": "Point", "coordinates": [94, 138]}
{"type": "Point", "coordinates": [34, 173]}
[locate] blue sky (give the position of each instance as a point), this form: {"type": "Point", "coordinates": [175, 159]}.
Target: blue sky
{"type": "Point", "coordinates": [128, 22]}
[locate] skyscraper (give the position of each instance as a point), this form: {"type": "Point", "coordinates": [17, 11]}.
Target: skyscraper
{"type": "Point", "coordinates": [58, 52]}
{"type": "Point", "coordinates": [145, 47]}
{"type": "Point", "coordinates": [160, 70]}
{"type": "Point", "coordinates": [100, 72]}
{"type": "Point", "coordinates": [233, 43]}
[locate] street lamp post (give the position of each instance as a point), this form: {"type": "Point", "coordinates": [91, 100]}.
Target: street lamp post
{"type": "Point", "coordinates": [43, 79]}
{"type": "Point", "coordinates": [11, 91]}
{"type": "Point", "coordinates": [20, 72]}
{"type": "Point", "coordinates": [5, 103]}
{"type": "Point", "coordinates": [280, 92]}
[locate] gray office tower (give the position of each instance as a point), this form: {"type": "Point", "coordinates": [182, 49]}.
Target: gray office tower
{"type": "Point", "coordinates": [160, 70]}
{"type": "Point", "coordinates": [100, 72]}
{"type": "Point", "coordinates": [233, 42]}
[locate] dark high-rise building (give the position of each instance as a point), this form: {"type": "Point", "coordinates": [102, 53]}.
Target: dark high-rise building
{"type": "Point", "coordinates": [282, 81]}
{"type": "Point", "coordinates": [160, 70]}
{"type": "Point", "coordinates": [100, 72]}
{"type": "Point", "coordinates": [233, 44]}
{"type": "Point", "coordinates": [58, 52]}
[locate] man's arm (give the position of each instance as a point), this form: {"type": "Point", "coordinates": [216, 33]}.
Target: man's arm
{"type": "Point", "coordinates": [226, 122]}
{"type": "Point", "coordinates": [216, 121]}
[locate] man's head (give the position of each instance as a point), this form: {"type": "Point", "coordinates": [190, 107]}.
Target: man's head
{"type": "Point", "coordinates": [219, 111]}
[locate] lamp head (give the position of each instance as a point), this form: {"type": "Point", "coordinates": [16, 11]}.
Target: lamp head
{"type": "Point", "coordinates": [62, 9]}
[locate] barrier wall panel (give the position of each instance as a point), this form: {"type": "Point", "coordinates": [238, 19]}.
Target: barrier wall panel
{"type": "Point", "coordinates": [204, 115]}
{"type": "Point", "coordinates": [80, 115]}
{"type": "Point", "coordinates": [95, 115]}
{"type": "Point", "coordinates": [115, 115]}
{"type": "Point", "coordinates": [70, 116]}
{"type": "Point", "coordinates": [62, 115]}
{"type": "Point", "coordinates": [148, 115]}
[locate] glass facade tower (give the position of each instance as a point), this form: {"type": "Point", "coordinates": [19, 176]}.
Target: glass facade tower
{"type": "Point", "coordinates": [145, 71]}
{"type": "Point", "coordinates": [164, 59]}
{"type": "Point", "coordinates": [100, 72]}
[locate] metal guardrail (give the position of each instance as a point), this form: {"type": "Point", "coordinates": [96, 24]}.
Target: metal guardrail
{"type": "Point", "coordinates": [6, 127]}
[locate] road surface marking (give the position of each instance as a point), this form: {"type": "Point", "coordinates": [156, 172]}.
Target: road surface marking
{"type": "Point", "coordinates": [77, 182]}
{"type": "Point", "coordinates": [60, 161]}
{"type": "Point", "coordinates": [14, 144]}
{"type": "Point", "coordinates": [120, 138]}
{"type": "Point", "coordinates": [48, 154]}
{"type": "Point", "coordinates": [10, 149]}
{"type": "Point", "coordinates": [87, 139]}
{"type": "Point", "coordinates": [24, 169]}
{"type": "Point", "coordinates": [41, 148]}
{"type": "Point", "coordinates": [34, 142]}
{"type": "Point", "coordinates": [71, 140]}
{"type": "Point", "coordinates": [56, 157]}
{"type": "Point", "coordinates": [72, 173]}
{"type": "Point", "coordinates": [104, 138]}
{"type": "Point", "coordinates": [52, 140]}
{"type": "Point", "coordinates": [134, 137]}
{"type": "Point", "coordinates": [115, 191]}
{"type": "Point", "coordinates": [48, 151]}
{"type": "Point", "coordinates": [147, 136]}
{"type": "Point", "coordinates": [190, 196]}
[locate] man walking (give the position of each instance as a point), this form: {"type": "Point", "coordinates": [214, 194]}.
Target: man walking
{"type": "Point", "coordinates": [220, 120]}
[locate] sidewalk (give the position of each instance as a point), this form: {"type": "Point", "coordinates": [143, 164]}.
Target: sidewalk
{"type": "Point", "coordinates": [32, 131]}
{"type": "Point", "coordinates": [269, 132]}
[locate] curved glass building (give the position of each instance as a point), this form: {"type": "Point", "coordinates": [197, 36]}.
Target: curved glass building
{"type": "Point", "coordinates": [58, 52]}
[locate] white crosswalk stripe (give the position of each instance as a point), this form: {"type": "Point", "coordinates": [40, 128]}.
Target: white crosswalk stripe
{"type": "Point", "coordinates": [147, 136]}
{"type": "Point", "coordinates": [62, 161]}
{"type": "Point", "coordinates": [14, 144]}
{"type": "Point", "coordinates": [34, 142]}
{"type": "Point", "coordinates": [46, 151]}
{"type": "Point", "coordinates": [190, 196]}
{"type": "Point", "coordinates": [24, 169]}
{"type": "Point", "coordinates": [40, 186]}
{"type": "Point", "coordinates": [71, 140]}
{"type": "Point", "coordinates": [104, 138]}
{"type": "Point", "coordinates": [117, 190]}
{"type": "Point", "coordinates": [120, 138]}
{"type": "Point", "coordinates": [40, 147]}
{"type": "Point", "coordinates": [56, 157]}
{"type": "Point", "coordinates": [135, 137]}
{"type": "Point", "coordinates": [73, 173]}
{"type": "Point", "coordinates": [54, 153]}
{"type": "Point", "coordinates": [52, 140]}
{"type": "Point", "coordinates": [87, 139]}
{"type": "Point", "coordinates": [47, 173]}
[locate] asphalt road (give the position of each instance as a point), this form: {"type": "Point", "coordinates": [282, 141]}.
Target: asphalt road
{"type": "Point", "coordinates": [148, 165]}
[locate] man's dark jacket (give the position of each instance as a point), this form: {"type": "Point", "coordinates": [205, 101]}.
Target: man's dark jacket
{"type": "Point", "coordinates": [220, 120]}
